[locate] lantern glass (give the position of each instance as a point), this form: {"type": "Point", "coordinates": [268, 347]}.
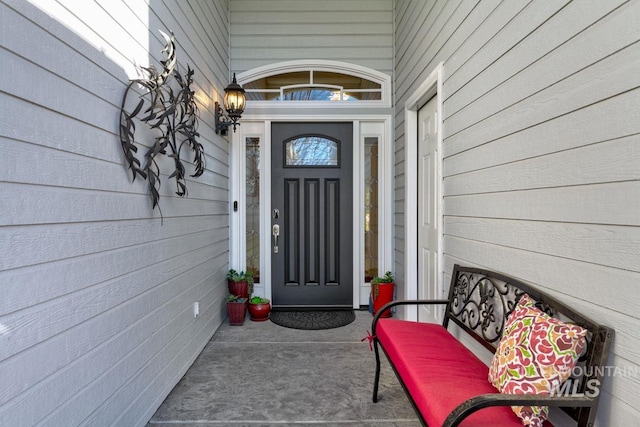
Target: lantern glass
{"type": "Point", "coordinates": [234, 101]}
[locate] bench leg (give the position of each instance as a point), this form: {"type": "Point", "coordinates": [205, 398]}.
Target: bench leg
{"type": "Point", "coordinates": [376, 381]}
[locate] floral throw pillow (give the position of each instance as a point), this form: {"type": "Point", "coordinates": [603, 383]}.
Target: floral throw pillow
{"type": "Point", "coordinates": [535, 355]}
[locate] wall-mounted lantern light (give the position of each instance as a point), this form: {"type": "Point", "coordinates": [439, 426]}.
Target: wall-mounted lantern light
{"type": "Point", "coordinates": [234, 101]}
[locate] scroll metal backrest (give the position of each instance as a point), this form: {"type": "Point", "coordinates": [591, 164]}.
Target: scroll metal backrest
{"type": "Point", "coordinates": [480, 304]}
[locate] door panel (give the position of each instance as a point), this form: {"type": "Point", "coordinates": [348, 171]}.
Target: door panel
{"type": "Point", "coordinates": [428, 229]}
{"type": "Point", "coordinates": [311, 185]}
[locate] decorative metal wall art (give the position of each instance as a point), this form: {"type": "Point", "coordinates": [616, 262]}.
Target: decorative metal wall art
{"type": "Point", "coordinates": [171, 112]}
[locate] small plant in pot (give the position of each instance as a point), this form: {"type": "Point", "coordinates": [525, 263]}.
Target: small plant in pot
{"type": "Point", "coordinates": [382, 289]}
{"type": "Point", "coordinates": [259, 309]}
{"type": "Point", "coordinates": [240, 283]}
{"type": "Point", "coordinates": [237, 309]}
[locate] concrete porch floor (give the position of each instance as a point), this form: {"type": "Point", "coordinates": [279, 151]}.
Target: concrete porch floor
{"type": "Point", "coordinates": [261, 374]}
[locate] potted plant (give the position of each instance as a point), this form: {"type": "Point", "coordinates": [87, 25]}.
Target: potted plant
{"type": "Point", "coordinates": [240, 283]}
{"type": "Point", "coordinates": [237, 310]}
{"type": "Point", "coordinates": [382, 289]}
{"type": "Point", "coordinates": [259, 309]}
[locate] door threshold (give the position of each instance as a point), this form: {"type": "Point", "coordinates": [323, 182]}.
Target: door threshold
{"type": "Point", "coordinates": [311, 307]}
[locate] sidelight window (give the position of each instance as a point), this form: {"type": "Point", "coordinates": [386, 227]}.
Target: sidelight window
{"type": "Point", "coordinates": [371, 207]}
{"type": "Point", "coordinates": [253, 206]}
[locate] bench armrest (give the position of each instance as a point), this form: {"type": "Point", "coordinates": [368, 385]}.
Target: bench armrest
{"type": "Point", "coordinates": [404, 302]}
{"type": "Point", "coordinates": [486, 400]}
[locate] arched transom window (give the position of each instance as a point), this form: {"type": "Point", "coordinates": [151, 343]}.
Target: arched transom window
{"type": "Point", "coordinates": [328, 81]}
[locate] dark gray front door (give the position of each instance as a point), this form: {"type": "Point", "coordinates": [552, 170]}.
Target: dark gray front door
{"type": "Point", "coordinates": [311, 202]}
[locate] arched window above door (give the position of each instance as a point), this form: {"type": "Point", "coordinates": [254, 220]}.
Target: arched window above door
{"type": "Point", "coordinates": [316, 82]}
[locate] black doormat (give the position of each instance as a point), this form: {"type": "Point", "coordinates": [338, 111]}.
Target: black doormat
{"type": "Point", "coordinates": [313, 320]}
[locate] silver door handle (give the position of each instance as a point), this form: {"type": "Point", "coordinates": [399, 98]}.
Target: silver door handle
{"type": "Point", "coordinates": [276, 233]}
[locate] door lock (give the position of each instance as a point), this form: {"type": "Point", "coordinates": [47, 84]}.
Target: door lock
{"type": "Point", "coordinates": [276, 233]}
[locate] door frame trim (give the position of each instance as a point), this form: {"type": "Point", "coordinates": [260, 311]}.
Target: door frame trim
{"type": "Point", "coordinates": [430, 87]}
{"type": "Point", "coordinates": [260, 125]}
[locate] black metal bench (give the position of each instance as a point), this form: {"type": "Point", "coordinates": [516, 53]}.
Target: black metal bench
{"type": "Point", "coordinates": [479, 303]}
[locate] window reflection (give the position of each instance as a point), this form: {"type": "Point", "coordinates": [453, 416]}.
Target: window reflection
{"type": "Point", "coordinates": [253, 206]}
{"type": "Point", "coordinates": [314, 94]}
{"type": "Point", "coordinates": [311, 151]}
{"type": "Point", "coordinates": [370, 208]}
{"type": "Point", "coordinates": [313, 85]}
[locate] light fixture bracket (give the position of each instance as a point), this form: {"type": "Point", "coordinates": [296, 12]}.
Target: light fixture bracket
{"type": "Point", "coordinates": [223, 121]}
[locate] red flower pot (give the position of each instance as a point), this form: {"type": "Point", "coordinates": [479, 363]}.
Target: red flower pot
{"type": "Point", "coordinates": [240, 289]}
{"type": "Point", "coordinates": [237, 311]}
{"type": "Point", "coordinates": [259, 312]}
{"type": "Point", "coordinates": [381, 294]}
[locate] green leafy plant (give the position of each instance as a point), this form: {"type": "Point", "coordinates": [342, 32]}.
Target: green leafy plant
{"type": "Point", "coordinates": [235, 298]}
{"type": "Point", "coordinates": [170, 111]}
{"type": "Point", "coordinates": [242, 276]}
{"type": "Point", "coordinates": [387, 278]}
{"type": "Point", "coordinates": [375, 289]}
{"type": "Point", "coordinates": [258, 300]}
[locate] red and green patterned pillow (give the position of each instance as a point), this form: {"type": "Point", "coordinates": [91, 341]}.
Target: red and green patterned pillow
{"type": "Point", "coordinates": [535, 355]}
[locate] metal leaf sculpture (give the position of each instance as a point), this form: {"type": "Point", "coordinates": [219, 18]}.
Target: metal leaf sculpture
{"type": "Point", "coordinates": [170, 111]}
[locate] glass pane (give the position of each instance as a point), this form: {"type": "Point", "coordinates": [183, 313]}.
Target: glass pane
{"type": "Point", "coordinates": [344, 80]}
{"type": "Point", "coordinates": [279, 80]}
{"type": "Point", "coordinates": [370, 208]}
{"type": "Point", "coordinates": [362, 96]}
{"type": "Point", "coordinates": [311, 151]}
{"type": "Point", "coordinates": [310, 94]}
{"type": "Point", "coordinates": [253, 206]}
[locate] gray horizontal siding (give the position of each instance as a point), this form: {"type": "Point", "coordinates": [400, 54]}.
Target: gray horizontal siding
{"type": "Point", "coordinates": [541, 160]}
{"type": "Point", "coordinates": [96, 318]}
{"type": "Point", "coordinates": [270, 31]}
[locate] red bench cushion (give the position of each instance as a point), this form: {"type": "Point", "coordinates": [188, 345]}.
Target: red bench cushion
{"type": "Point", "coordinates": [439, 372]}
